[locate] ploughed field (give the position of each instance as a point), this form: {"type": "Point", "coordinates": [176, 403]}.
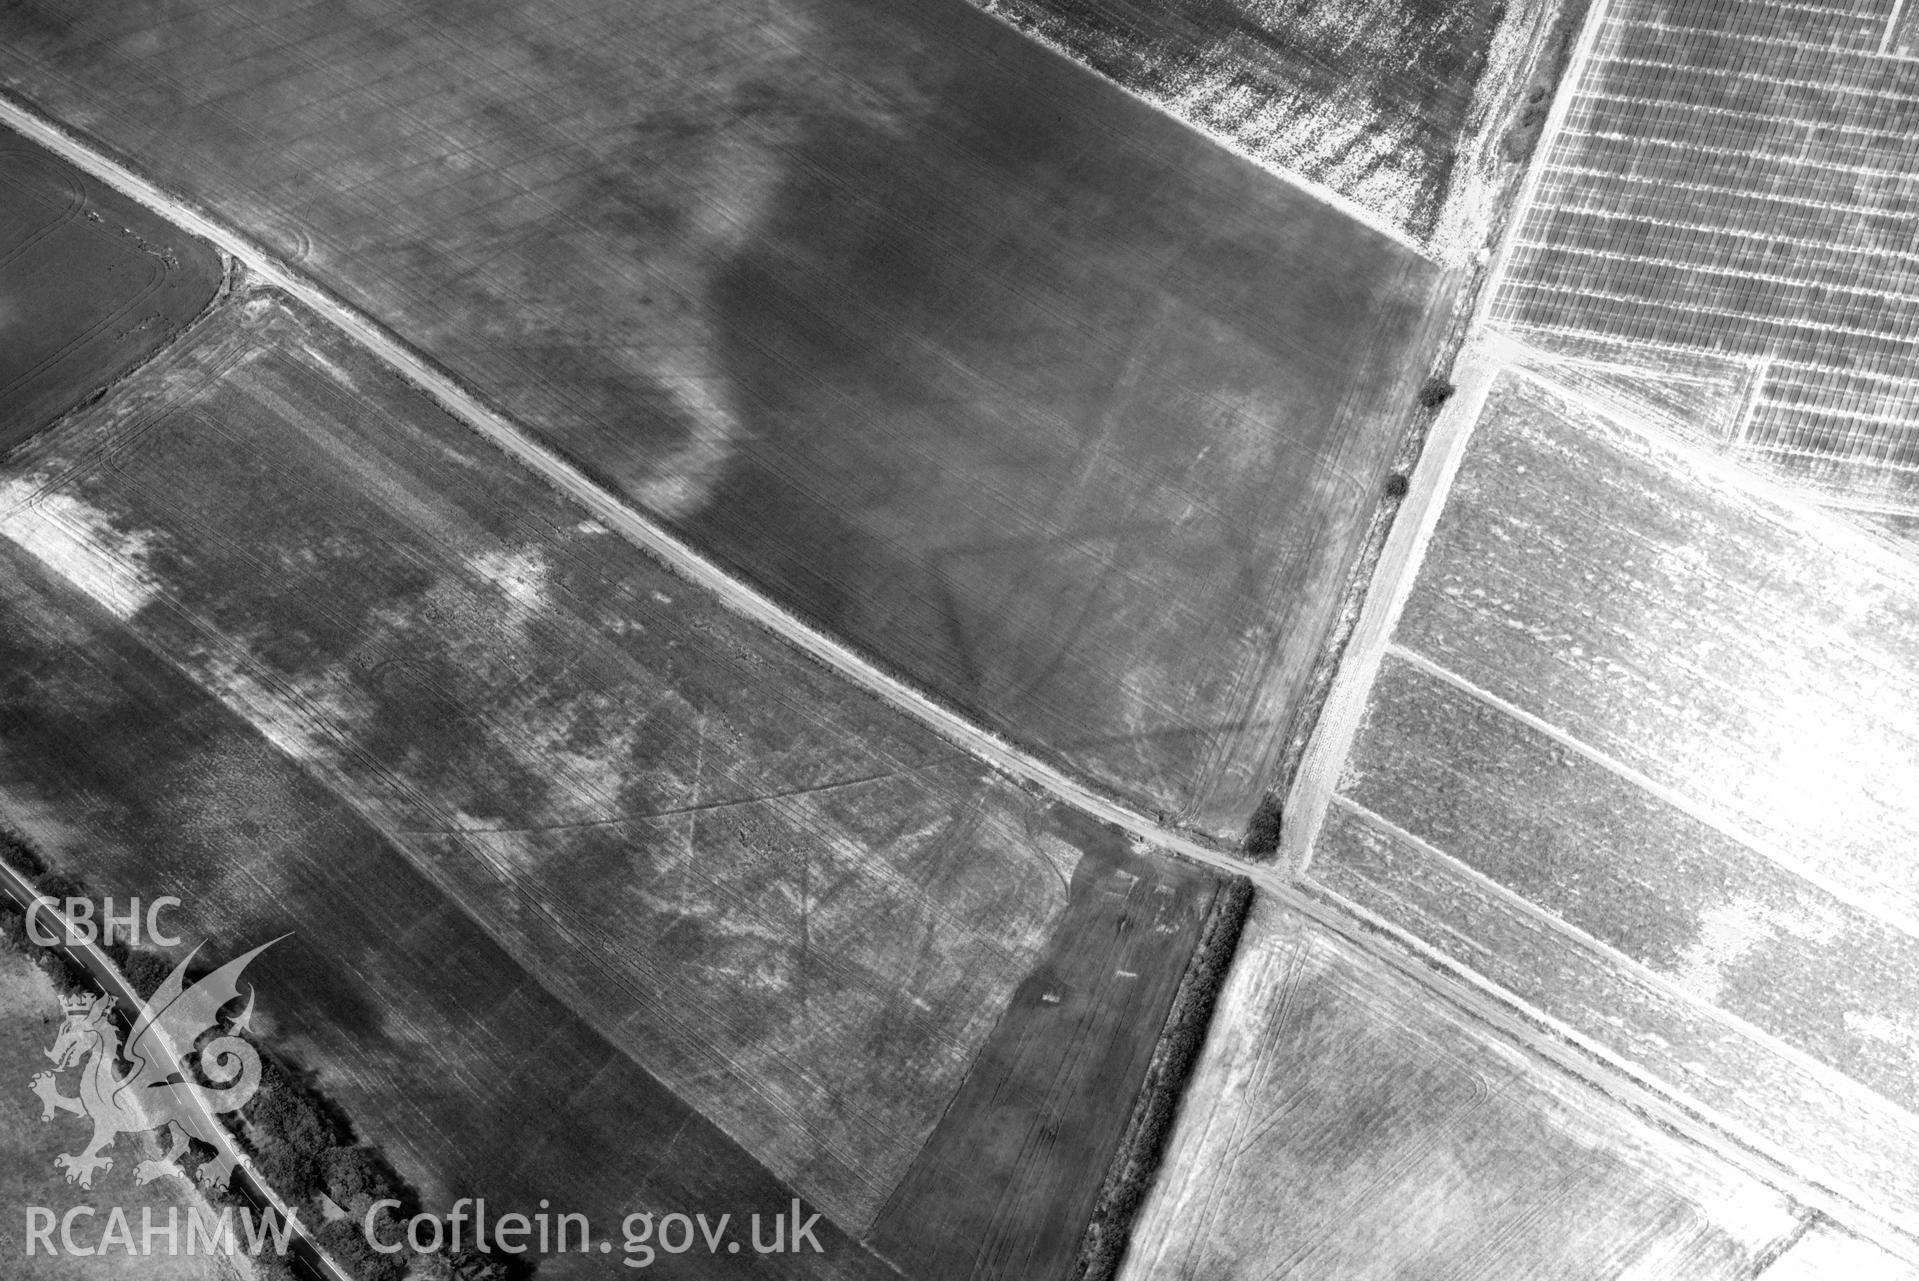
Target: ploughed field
{"type": "Point", "coordinates": [90, 285]}
{"type": "Point", "coordinates": [1641, 749]}
{"type": "Point", "coordinates": [1370, 98]}
{"type": "Point", "coordinates": [1726, 221]}
{"type": "Point", "coordinates": [1055, 407]}
{"type": "Point", "coordinates": [1635, 744]}
{"type": "Point", "coordinates": [1342, 1122]}
{"type": "Point", "coordinates": [599, 893]}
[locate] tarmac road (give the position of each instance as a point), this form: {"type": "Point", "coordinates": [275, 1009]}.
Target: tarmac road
{"type": "Point", "coordinates": [250, 1185]}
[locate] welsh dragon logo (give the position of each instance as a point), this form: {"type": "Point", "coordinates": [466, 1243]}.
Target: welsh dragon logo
{"type": "Point", "coordinates": [154, 1093]}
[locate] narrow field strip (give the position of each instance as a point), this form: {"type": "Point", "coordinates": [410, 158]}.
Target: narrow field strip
{"type": "Point", "coordinates": [1823, 86]}
{"type": "Point", "coordinates": [1581, 1054]}
{"type": "Point", "coordinates": [1519, 329]}
{"type": "Point", "coordinates": [1798, 161]}
{"type": "Point", "coordinates": [1713, 269]}
{"type": "Point", "coordinates": [1486, 352]}
{"type": "Point", "coordinates": [1711, 189]}
{"type": "Point", "coordinates": [1757, 37]}
{"type": "Point", "coordinates": [1858, 1095]}
{"type": "Point", "coordinates": [1829, 255]}
{"type": "Point", "coordinates": [1660, 791]}
{"type": "Point", "coordinates": [1685, 109]}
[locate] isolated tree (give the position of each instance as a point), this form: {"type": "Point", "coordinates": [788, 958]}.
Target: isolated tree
{"type": "Point", "coordinates": [1434, 392]}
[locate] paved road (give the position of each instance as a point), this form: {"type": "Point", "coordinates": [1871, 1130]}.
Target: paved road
{"type": "Point", "coordinates": [248, 1184]}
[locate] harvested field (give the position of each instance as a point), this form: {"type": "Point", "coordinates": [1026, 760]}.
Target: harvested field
{"type": "Point", "coordinates": [1724, 924]}
{"type": "Point", "coordinates": [1055, 408]}
{"type": "Point", "coordinates": [1343, 1124]}
{"type": "Point", "coordinates": [29, 1022]}
{"type": "Point", "coordinates": [1739, 180]}
{"type": "Point", "coordinates": [90, 285]}
{"type": "Point", "coordinates": [1787, 1106]}
{"type": "Point", "coordinates": [1370, 98]}
{"type": "Point", "coordinates": [1641, 750]}
{"type": "Point", "coordinates": [1827, 1251]}
{"type": "Point", "coordinates": [331, 661]}
{"type": "Point", "coordinates": [1761, 668]}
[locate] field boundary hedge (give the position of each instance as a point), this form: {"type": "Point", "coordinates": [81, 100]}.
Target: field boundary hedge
{"type": "Point", "coordinates": [1142, 1145]}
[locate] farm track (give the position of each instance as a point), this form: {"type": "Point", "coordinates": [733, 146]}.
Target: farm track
{"type": "Point", "coordinates": [643, 531]}
{"type": "Point", "coordinates": [1089, 476]}
{"type": "Point", "coordinates": [1446, 979]}
{"type": "Point", "coordinates": [1536, 980]}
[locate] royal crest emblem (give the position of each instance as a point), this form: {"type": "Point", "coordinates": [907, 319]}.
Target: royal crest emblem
{"type": "Point", "coordinates": [155, 1093]}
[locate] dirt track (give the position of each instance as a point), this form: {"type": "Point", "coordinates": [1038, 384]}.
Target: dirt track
{"type": "Point", "coordinates": [642, 531]}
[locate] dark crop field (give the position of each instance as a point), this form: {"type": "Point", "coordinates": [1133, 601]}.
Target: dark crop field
{"type": "Point", "coordinates": [443, 1049]}
{"type": "Point", "coordinates": [1343, 1123]}
{"type": "Point", "coordinates": [1052, 405]}
{"type": "Point", "coordinates": [736, 891]}
{"type": "Point", "coordinates": [90, 285]}
{"type": "Point", "coordinates": [1740, 181]}
{"type": "Point", "coordinates": [1643, 751]}
{"type": "Point", "coordinates": [284, 634]}
{"type": "Point", "coordinates": [1001, 1189]}
{"type": "Point", "coordinates": [1368, 97]}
